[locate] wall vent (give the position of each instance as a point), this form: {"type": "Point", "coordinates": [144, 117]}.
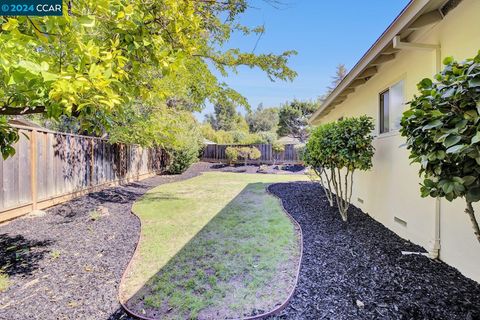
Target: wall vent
{"type": "Point", "coordinates": [401, 222]}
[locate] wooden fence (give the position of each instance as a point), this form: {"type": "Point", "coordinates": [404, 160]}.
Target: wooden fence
{"type": "Point", "coordinates": [216, 153]}
{"type": "Point", "coordinates": [51, 167]}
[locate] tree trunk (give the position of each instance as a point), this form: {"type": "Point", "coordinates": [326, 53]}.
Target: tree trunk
{"type": "Point", "coordinates": [471, 214]}
{"type": "Point", "coordinates": [328, 191]}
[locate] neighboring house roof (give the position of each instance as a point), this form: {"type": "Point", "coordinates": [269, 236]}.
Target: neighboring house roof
{"type": "Point", "coordinates": [288, 140]}
{"type": "Point", "coordinates": [416, 15]}
{"type": "Point", "coordinates": [206, 141]}
{"type": "Point", "coordinates": [21, 121]}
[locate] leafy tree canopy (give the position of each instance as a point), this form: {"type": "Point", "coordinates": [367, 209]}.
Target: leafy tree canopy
{"type": "Point", "coordinates": [109, 57]}
{"type": "Point", "coordinates": [225, 117]}
{"type": "Point", "coordinates": [340, 73]}
{"type": "Point", "coordinates": [263, 119]}
{"type": "Point", "coordinates": [293, 119]}
{"type": "Point", "coordinates": [442, 128]}
{"type": "Point", "coordinates": [335, 151]}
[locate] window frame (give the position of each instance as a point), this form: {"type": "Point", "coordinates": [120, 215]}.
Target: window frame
{"type": "Point", "coordinates": [392, 128]}
{"type": "Point", "coordinates": [381, 99]}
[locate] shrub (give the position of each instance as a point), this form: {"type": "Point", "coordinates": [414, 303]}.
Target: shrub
{"type": "Point", "coordinates": [277, 149]}
{"type": "Point", "coordinates": [255, 153]}
{"type": "Point", "coordinates": [244, 153]}
{"type": "Point", "coordinates": [186, 148]}
{"type": "Point", "coordinates": [232, 154]}
{"type": "Point", "coordinates": [181, 159]}
{"type": "Point", "coordinates": [442, 128]}
{"type": "Point", "coordinates": [335, 151]}
{"type": "Point", "coordinates": [300, 150]}
{"type": "Point", "coordinates": [247, 153]}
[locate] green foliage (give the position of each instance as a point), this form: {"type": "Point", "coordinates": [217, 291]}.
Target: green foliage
{"type": "Point", "coordinates": [278, 147]}
{"type": "Point", "coordinates": [182, 158]}
{"type": "Point", "coordinates": [188, 142]}
{"type": "Point", "coordinates": [266, 137]}
{"type": "Point", "coordinates": [8, 137]}
{"type": "Point", "coordinates": [340, 73]}
{"type": "Point", "coordinates": [236, 136]}
{"type": "Point", "coordinates": [225, 117]}
{"type": "Point", "coordinates": [255, 154]}
{"type": "Point", "coordinates": [345, 145]}
{"type": "Point", "coordinates": [232, 154]}
{"type": "Point", "coordinates": [293, 119]}
{"type": "Point", "coordinates": [245, 153]}
{"type": "Point", "coordinates": [110, 56]}
{"type": "Point", "coordinates": [263, 120]}
{"type": "Point", "coordinates": [442, 128]}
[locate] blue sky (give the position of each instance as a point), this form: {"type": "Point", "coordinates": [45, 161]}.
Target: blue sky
{"type": "Point", "coordinates": [325, 34]}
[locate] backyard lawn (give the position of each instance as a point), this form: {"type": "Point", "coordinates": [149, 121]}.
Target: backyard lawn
{"type": "Point", "coordinates": [215, 246]}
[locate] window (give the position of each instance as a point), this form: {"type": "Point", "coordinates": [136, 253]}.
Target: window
{"type": "Point", "coordinates": [391, 108]}
{"type": "Point", "coordinates": [384, 111]}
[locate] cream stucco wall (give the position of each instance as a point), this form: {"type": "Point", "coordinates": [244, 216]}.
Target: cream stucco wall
{"type": "Point", "coordinates": [391, 189]}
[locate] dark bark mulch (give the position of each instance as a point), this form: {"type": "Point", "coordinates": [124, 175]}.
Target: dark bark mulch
{"type": "Point", "coordinates": [68, 263]}
{"type": "Point", "coordinates": [253, 168]}
{"type": "Point", "coordinates": [355, 270]}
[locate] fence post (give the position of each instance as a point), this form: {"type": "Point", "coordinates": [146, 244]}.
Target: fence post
{"type": "Point", "coordinates": [33, 168]}
{"type": "Point", "coordinates": [92, 161]}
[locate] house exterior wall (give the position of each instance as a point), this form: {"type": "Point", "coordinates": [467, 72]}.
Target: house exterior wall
{"type": "Point", "coordinates": [390, 191]}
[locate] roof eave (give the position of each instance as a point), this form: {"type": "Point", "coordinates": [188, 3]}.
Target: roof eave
{"type": "Point", "coordinates": [407, 16]}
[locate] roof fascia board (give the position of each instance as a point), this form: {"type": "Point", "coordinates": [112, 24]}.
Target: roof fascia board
{"type": "Point", "coordinates": [411, 11]}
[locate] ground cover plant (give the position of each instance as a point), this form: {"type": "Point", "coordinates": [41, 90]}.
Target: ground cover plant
{"type": "Point", "coordinates": [442, 128]}
{"type": "Point", "coordinates": [213, 247]}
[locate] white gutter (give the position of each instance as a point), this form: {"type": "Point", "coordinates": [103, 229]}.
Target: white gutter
{"type": "Point", "coordinates": [398, 44]}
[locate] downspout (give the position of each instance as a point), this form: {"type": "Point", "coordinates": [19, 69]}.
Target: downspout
{"type": "Point", "coordinates": [398, 44]}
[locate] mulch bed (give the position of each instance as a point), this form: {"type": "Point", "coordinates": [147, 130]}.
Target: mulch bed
{"type": "Point", "coordinates": [64, 265]}
{"type": "Point", "coordinates": [355, 270]}
{"type": "Point", "coordinates": [251, 168]}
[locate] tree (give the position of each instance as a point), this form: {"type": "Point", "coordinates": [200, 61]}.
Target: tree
{"type": "Point", "coordinates": [262, 119]}
{"type": "Point", "coordinates": [108, 57]}
{"type": "Point", "coordinates": [293, 119]}
{"type": "Point", "coordinates": [224, 117]}
{"type": "Point", "coordinates": [335, 151]}
{"type": "Point", "coordinates": [340, 74]}
{"type": "Point", "coordinates": [277, 149]}
{"type": "Point", "coordinates": [442, 127]}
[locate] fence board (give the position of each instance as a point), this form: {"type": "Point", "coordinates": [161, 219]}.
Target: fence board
{"type": "Point", "coordinates": [66, 166]}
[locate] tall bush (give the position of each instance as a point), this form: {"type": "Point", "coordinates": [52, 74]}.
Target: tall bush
{"type": "Point", "coordinates": [232, 154]}
{"type": "Point", "coordinates": [442, 128]}
{"type": "Point", "coordinates": [255, 154]}
{"type": "Point", "coordinates": [186, 143]}
{"type": "Point", "coordinates": [277, 149]}
{"type": "Point", "coordinates": [335, 151]}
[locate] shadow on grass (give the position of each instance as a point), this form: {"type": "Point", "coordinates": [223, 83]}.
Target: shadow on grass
{"type": "Point", "coordinates": [20, 256]}
{"type": "Point", "coordinates": [226, 270]}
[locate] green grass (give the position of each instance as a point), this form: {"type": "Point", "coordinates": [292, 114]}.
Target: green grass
{"type": "Point", "coordinates": [212, 245]}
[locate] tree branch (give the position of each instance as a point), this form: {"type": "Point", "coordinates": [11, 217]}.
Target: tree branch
{"type": "Point", "coordinates": [10, 111]}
